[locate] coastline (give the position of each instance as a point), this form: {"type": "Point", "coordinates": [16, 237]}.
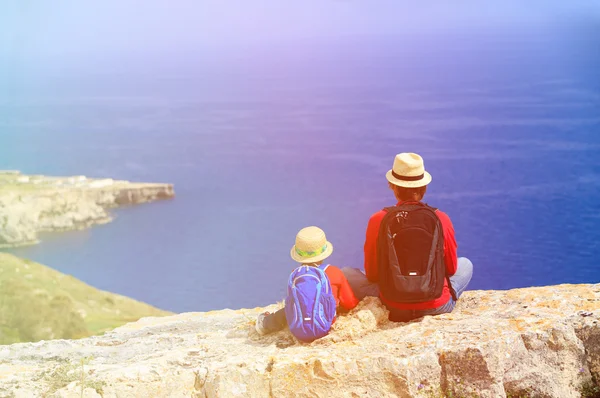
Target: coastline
{"type": "Point", "coordinates": [41, 303]}
{"type": "Point", "coordinates": [30, 204]}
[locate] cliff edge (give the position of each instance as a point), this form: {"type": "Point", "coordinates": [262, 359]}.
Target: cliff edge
{"type": "Point", "coordinates": [533, 342]}
{"type": "Point", "coordinates": [30, 204]}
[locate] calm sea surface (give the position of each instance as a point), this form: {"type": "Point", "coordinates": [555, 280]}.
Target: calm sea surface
{"type": "Point", "coordinates": [261, 142]}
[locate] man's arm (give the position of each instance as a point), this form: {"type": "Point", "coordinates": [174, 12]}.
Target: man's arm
{"type": "Point", "coordinates": [371, 269]}
{"type": "Point", "coordinates": [450, 246]}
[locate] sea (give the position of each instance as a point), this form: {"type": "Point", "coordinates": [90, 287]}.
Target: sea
{"type": "Point", "coordinates": [263, 140]}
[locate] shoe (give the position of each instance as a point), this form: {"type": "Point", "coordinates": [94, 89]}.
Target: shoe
{"type": "Point", "coordinates": [260, 323]}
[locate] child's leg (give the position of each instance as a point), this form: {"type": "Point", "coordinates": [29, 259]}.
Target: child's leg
{"type": "Point", "coordinates": [269, 323]}
{"type": "Point", "coordinates": [276, 321]}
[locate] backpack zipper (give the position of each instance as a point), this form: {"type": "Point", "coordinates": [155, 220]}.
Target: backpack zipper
{"type": "Point", "coordinates": [309, 275]}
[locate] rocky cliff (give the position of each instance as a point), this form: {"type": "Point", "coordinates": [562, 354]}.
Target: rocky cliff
{"type": "Point", "coordinates": [534, 342]}
{"type": "Point", "coordinates": [30, 204]}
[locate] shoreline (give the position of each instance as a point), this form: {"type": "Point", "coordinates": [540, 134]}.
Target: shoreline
{"type": "Point", "coordinates": [33, 204]}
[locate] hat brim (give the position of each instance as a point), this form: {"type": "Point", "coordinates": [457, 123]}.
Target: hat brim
{"type": "Point", "coordinates": [299, 259]}
{"type": "Point", "coordinates": [409, 184]}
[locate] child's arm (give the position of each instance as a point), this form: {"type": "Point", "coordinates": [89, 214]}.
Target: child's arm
{"type": "Point", "coordinates": [347, 298]}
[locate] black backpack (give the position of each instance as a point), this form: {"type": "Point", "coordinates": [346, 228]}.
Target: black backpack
{"type": "Point", "coordinates": [410, 254]}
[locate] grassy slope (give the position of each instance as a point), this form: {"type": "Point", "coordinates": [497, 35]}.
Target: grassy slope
{"type": "Point", "coordinates": [39, 303]}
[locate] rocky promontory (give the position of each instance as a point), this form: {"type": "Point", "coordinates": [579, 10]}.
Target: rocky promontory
{"type": "Point", "coordinates": [30, 204]}
{"type": "Point", "coordinates": [532, 342]}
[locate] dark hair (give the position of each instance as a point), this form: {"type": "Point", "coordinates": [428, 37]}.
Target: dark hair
{"type": "Point", "coordinates": [406, 194]}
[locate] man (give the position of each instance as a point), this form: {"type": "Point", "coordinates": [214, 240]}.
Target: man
{"type": "Point", "coordinates": [413, 266]}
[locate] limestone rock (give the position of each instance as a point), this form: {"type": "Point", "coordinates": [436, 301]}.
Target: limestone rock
{"type": "Point", "coordinates": [534, 342]}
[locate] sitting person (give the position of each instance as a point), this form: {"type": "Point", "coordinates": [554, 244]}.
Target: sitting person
{"type": "Point", "coordinates": [315, 291]}
{"type": "Point", "coordinates": [410, 251]}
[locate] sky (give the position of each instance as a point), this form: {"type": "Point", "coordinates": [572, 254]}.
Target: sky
{"type": "Point", "coordinates": [72, 27]}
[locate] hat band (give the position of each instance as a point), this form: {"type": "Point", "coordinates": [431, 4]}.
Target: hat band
{"type": "Point", "coordinates": [406, 178]}
{"type": "Point", "coordinates": [303, 253]}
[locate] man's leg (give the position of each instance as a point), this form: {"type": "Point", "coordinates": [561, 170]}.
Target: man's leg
{"type": "Point", "coordinates": [359, 283]}
{"type": "Point", "coordinates": [459, 281]}
{"type": "Point", "coordinates": [463, 275]}
{"type": "Point", "coordinates": [444, 309]}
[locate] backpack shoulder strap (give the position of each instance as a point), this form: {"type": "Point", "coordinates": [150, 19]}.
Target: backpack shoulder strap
{"type": "Point", "coordinates": [294, 271]}
{"type": "Point", "coordinates": [450, 288]}
{"type": "Point", "coordinates": [293, 275]}
{"type": "Point", "coordinates": [403, 207]}
{"type": "Point", "coordinates": [434, 209]}
{"type": "Point", "coordinates": [321, 272]}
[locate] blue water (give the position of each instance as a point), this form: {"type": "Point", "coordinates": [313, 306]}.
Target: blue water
{"type": "Point", "coordinates": [264, 141]}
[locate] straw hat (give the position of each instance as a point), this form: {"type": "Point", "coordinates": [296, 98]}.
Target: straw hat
{"type": "Point", "coordinates": [408, 171]}
{"type": "Point", "coordinates": [311, 246]}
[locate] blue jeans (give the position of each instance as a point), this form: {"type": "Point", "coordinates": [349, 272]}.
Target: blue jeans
{"type": "Point", "coordinates": [362, 287]}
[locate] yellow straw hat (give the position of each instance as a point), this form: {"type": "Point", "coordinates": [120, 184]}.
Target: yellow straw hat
{"type": "Point", "coordinates": [311, 246]}
{"type": "Point", "coordinates": [408, 171]}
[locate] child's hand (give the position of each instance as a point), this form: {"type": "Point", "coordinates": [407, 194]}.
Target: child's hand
{"type": "Point", "coordinates": [341, 310]}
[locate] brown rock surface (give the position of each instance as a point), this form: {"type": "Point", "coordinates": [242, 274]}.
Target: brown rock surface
{"type": "Point", "coordinates": [533, 342]}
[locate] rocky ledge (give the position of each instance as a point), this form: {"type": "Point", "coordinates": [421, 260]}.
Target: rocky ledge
{"type": "Point", "coordinates": [533, 342]}
{"type": "Point", "coordinates": [30, 204]}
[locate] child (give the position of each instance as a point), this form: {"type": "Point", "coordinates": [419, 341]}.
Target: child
{"type": "Point", "coordinates": [311, 249]}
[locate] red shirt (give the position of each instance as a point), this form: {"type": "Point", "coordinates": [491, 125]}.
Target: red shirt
{"type": "Point", "coordinates": [450, 259]}
{"type": "Point", "coordinates": [344, 296]}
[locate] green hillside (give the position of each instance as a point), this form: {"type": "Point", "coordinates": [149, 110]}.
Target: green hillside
{"type": "Point", "coordinates": [39, 303]}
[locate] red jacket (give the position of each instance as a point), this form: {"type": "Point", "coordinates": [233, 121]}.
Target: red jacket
{"type": "Point", "coordinates": [344, 296]}
{"type": "Point", "coordinates": [450, 258]}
